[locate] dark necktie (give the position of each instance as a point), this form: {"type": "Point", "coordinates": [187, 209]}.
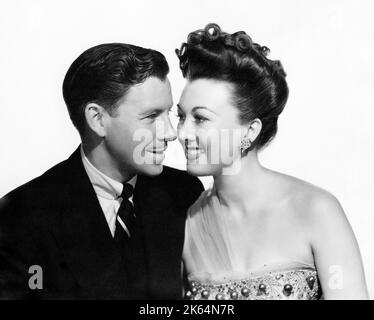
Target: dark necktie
{"type": "Point", "coordinates": [131, 248]}
{"type": "Point", "coordinates": [126, 214]}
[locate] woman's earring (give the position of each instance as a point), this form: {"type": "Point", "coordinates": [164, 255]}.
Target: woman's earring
{"type": "Point", "coordinates": [245, 144]}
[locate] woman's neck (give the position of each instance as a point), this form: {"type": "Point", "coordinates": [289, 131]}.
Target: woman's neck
{"type": "Point", "coordinates": [247, 186]}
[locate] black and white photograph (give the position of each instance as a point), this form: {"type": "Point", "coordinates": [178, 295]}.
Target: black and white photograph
{"type": "Point", "coordinates": [200, 150]}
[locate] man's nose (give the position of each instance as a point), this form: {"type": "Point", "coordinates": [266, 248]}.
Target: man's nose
{"type": "Point", "coordinates": [169, 132]}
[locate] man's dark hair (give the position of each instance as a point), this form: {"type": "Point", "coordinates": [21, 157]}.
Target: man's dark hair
{"type": "Point", "coordinates": [103, 74]}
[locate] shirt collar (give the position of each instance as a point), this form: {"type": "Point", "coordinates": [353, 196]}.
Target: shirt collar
{"type": "Point", "coordinates": [104, 186]}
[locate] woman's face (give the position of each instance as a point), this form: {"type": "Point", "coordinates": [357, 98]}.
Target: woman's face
{"type": "Point", "coordinates": [209, 128]}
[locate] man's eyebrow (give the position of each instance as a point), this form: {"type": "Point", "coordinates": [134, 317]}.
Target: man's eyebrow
{"type": "Point", "coordinates": [155, 110]}
{"type": "Point", "coordinates": [150, 111]}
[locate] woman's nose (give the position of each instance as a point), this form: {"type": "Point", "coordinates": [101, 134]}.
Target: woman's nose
{"type": "Point", "coordinates": [186, 133]}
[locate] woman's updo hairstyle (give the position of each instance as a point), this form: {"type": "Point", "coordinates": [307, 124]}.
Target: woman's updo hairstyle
{"type": "Point", "coordinates": [260, 87]}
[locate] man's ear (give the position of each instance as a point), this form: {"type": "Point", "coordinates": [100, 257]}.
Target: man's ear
{"type": "Point", "coordinates": [94, 115]}
{"type": "Point", "coordinates": [254, 129]}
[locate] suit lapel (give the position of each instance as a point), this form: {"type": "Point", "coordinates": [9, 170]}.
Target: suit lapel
{"type": "Point", "coordinates": [84, 236]}
{"type": "Point", "coordinates": [162, 238]}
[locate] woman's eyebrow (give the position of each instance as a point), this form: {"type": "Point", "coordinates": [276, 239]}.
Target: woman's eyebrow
{"type": "Point", "coordinates": [204, 108]}
{"type": "Point", "coordinates": [197, 108]}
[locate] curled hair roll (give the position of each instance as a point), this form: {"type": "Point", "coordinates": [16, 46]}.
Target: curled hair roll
{"type": "Point", "coordinates": [259, 86]}
{"type": "Point", "coordinates": [212, 31]}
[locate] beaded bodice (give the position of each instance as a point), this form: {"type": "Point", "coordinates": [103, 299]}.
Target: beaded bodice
{"type": "Point", "coordinates": [296, 284]}
{"type": "Point", "coordinates": [216, 268]}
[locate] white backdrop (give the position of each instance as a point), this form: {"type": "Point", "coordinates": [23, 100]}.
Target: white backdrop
{"type": "Point", "coordinates": [325, 134]}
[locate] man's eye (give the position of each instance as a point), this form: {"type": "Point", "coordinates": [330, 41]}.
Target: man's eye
{"type": "Point", "coordinates": [153, 116]}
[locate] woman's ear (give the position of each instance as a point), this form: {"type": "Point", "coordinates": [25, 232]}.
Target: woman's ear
{"type": "Point", "coordinates": [94, 115]}
{"type": "Point", "coordinates": [254, 129]}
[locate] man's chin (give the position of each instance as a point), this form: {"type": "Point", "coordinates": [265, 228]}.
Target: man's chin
{"type": "Point", "coordinates": [152, 169]}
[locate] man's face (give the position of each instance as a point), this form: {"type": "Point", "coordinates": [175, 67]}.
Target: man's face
{"type": "Point", "coordinates": [137, 134]}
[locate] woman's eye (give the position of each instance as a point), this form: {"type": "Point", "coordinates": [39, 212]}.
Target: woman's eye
{"type": "Point", "coordinates": [180, 116]}
{"type": "Point", "coordinates": [200, 119]}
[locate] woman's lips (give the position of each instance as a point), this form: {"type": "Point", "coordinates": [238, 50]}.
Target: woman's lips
{"type": "Point", "coordinates": [192, 153]}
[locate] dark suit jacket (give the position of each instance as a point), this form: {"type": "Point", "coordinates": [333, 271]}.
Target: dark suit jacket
{"type": "Point", "coordinates": [55, 221]}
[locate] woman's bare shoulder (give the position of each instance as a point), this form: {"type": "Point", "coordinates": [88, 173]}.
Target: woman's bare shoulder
{"type": "Point", "coordinates": [313, 201]}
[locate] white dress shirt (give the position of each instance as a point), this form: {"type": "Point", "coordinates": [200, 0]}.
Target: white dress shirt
{"type": "Point", "coordinates": [108, 192]}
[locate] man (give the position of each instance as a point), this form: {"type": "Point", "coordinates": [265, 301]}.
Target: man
{"type": "Point", "coordinates": [108, 222]}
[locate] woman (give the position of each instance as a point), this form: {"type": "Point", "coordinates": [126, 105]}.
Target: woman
{"type": "Point", "coordinates": [257, 233]}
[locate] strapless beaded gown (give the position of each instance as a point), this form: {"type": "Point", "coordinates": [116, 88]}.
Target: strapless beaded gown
{"type": "Point", "coordinates": [211, 264]}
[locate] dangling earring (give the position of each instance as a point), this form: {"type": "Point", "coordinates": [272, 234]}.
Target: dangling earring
{"type": "Point", "coordinates": [245, 144]}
